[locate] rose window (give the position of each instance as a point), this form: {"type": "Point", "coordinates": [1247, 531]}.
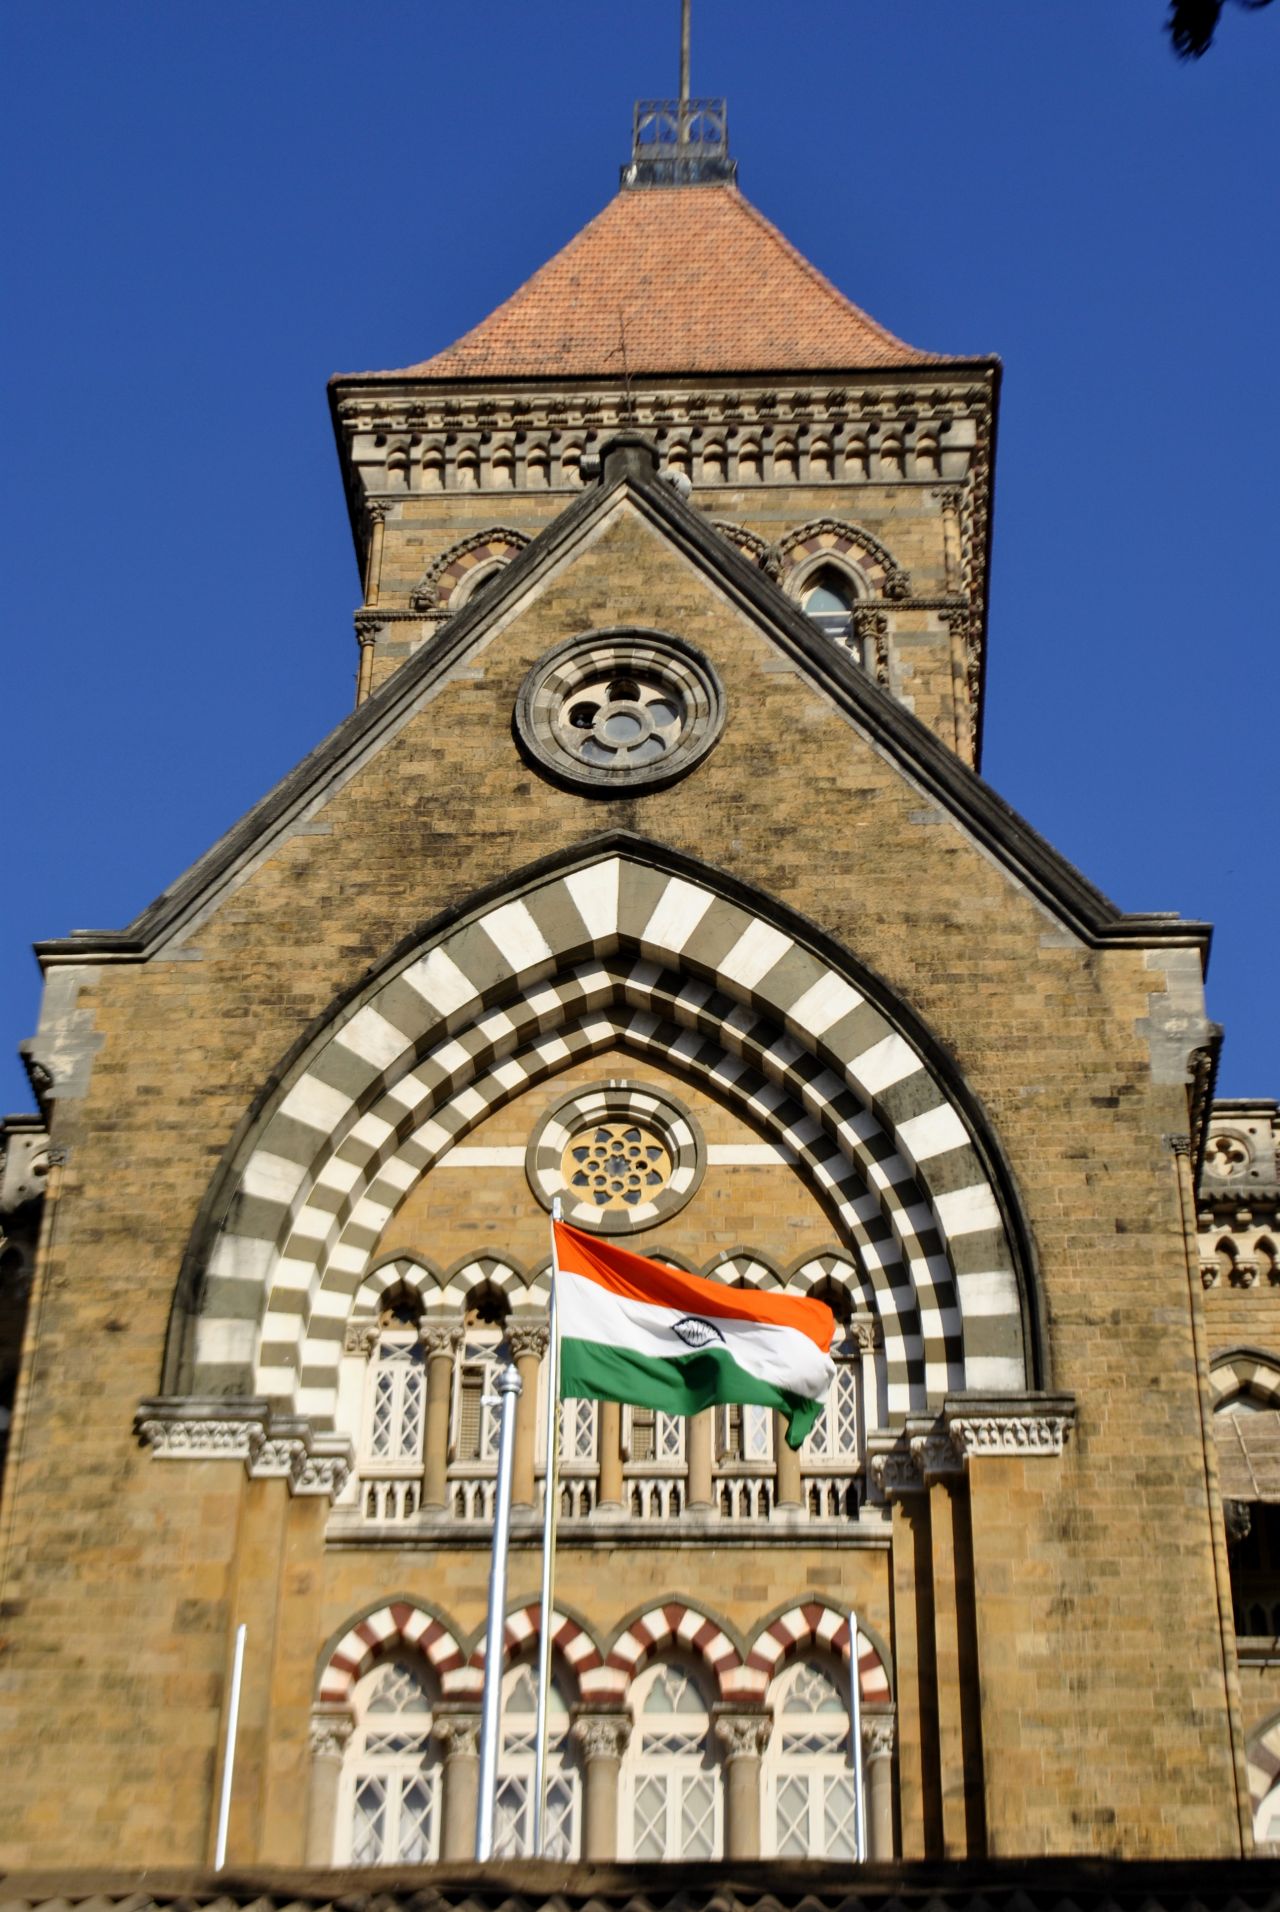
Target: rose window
{"type": "Point", "coordinates": [616, 1164]}
{"type": "Point", "coordinates": [620, 723]}
{"type": "Point", "coordinates": [616, 709]}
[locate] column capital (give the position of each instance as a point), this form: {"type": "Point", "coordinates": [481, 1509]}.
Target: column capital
{"type": "Point", "coordinates": [601, 1735]}
{"type": "Point", "coordinates": [361, 1337]}
{"type": "Point", "coordinates": [440, 1337]}
{"type": "Point", "coordinates": [526, 1338]}
{"type": "Point", "coordinates": [742, 1735]}
{"type": "Point", "coordinates": [879, 1732]}
{"type": "Point", "coordinates": [457, 1732]}
{"type": "Point", "coordinates": [329, 1731]}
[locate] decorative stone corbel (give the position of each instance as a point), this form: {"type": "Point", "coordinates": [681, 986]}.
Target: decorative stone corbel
{"type": "Point", "coordinates": [743, 1735]}
{"type": "Point", "coordinates": [330, 1729]}
{"type": "Point", "coordinates": [601, 1735]}
{"type": "Point", "coordinates": [927, 1449]}
{"type": "Point", "coordinates": [272, 1446]}
{"type": "Point", "coordinates": [361, 1337]}
{"type": "Point", "coordinates": [526, 1338]}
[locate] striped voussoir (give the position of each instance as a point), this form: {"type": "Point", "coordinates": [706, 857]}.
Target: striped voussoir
{"type": "Point", "coordinates": [616, 950]}
{"type": "Point", "coordinates": [812, 1271]}
{"type": "Point", "coordinates": [922, 1326]}
{"type": "Point", "coordinates": [662, 1628]}
{"type": "Point", "coordinates": [380, 1634]}
{"type": "Point", "coordinates": [743, 1268]}
{"type": "Point", "coordinates": [815, 1625]}
{"type": "Point", "coordinates": [570, 1640]}
{"type": "Point", "coordinates": [829, 537]}
{"type": "Point", "coordinates": [442, 578]}
{"type": "Point", "coordinates": [1262, 1756]}
{"type": "Point", "coordinates": [450, 1294]}
{"type": "Point", "coordinates": [1247, 1373]}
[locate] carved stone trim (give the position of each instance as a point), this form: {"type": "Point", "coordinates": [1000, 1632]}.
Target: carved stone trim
{"type": "Point", "coordinates": [458, 1733]}
{"type": "Point", "coordinates": [440, 1337]}
{"type": "Point", "coordinates": [361, 1337]}
{"type": "Point", "coordinates": [526, 1337]}
{"type": "Point", "coordinates": [329, 1732]}
{"type": "Point", "coordinates": [970, 1424]}
{"type": "Point", "coordinates": [879, 1734]}
{"type": "Point", "coordinates": [442, 576]}
{"type": "Point", "coordinates": [601, 1735]}
{"type": "Point", "coordinates": [742, 1735]}
{"type": "Point", "coordinates": [872, 627]}
{"type": "Point", "coordinates": [271, 1446]}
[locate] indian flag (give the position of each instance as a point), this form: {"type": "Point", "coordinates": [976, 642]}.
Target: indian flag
{"type": "Point", "coordinates": [637, 1331]}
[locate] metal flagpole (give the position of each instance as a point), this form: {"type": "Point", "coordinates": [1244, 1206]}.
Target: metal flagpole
{"type": "Point", "coordinates": [550, 1511]}
{"type": "Point", "coordinates": [855, 1731]}
{"type": "Point", "coordinates": [508, 1385]}
{"type": "Point", "coordinates": [229, 1750]}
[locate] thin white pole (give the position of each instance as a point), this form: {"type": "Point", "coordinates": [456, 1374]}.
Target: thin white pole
{"type": "Point", "coordinates": [229, 1750]}
{"type": "Point", "coordinates": [508, 1384]}
{"type": "Point", "coordinates": [855, 1734]}
{"type": "Point", "coordinates": [550, 1510]}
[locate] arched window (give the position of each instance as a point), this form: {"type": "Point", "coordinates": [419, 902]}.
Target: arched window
{"type": "Point", "coordinates": [749, 460]}
{"type": "Point", "coordinates": [468, 468]}
{"type": "Point", "coordinates": [389, 1802]}
{"type": "Point", "coordinates": [713, 463]}
{"type": "Point", "coordinates": [503, 467]}
{"type": "Point", "coordinates": [514, 1797]}
{"type": "Point", "coordinates": [537, 466]}
{"type": "Point", "coordinates": [433, 469]}
{"type": "Point", "coordinates": [828, 597]}
{"type": "Point", "coordinates": [808, 1779]}
{"type": "Point", "coordinates": [672, 1802]}
{"type": "Point", "coordinates": [475, 1389]}
{"type": "Point", "coordinates": [396, 1400]}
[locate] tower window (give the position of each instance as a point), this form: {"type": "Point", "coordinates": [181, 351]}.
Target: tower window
{"type": "Point", "coordinates": [828, 599]}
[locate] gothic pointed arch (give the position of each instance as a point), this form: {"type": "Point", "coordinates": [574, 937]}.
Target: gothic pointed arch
{"type": "Point", "coordinates": [623, 943]}
{"type": "Point", "coordinates": [824, 539]}
{"type": "Point", "coordinates": [446, 576]}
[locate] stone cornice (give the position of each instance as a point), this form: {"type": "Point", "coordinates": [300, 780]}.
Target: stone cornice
{"type": "Point", "coordinates": [929, 1448]}
{"type": "Point", "coordinates": [272, 1446]}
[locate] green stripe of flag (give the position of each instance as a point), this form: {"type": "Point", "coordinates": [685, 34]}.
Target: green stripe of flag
{"type": "Point", "coordinates": [683, 1384]}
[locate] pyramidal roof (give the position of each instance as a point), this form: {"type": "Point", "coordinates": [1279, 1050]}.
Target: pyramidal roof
{"type": "Point", "coordinates": [694, 279]}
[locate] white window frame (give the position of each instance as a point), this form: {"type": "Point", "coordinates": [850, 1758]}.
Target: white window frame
{"type": "Point", "coordinates": [402, 1342]}
{"type": "Point", "coordinates": [673, 1770]}
{"type": "Point", "coordinates": [816, 1770]}
{"type": "Point", "coordinates": [516, 1771]}
{"type": "Point", "coordinates": [398, 1769]}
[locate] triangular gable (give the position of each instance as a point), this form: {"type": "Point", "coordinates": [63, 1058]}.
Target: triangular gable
{"type": "Point", "coordinates": [896, 731]}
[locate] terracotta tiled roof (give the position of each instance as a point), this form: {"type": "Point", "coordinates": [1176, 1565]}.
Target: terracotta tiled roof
{"type": "Point", "coordinates": [699, 280]}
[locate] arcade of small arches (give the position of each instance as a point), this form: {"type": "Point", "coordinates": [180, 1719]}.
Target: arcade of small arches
{"type": "Point", "coordinates": [670, 1740]}
{"type": "Point", "coordinates": [828, 566]}
{"type": "Point", "coordinates": [417, 1401]}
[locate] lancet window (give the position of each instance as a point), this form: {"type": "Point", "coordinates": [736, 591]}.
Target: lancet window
{"type": "Point", "coordinates": [808, 1779]}
{"type": "Point", "coordinates": [389, 1803]}
{"type": "Point", "coordinates": [828, 598]}
{"type": "Point", "coordinates": [672, 1796]}
{"type": "Point", "coordinates": [514, 1795]}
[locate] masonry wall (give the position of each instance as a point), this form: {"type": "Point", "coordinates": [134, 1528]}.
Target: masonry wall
{"type": "Point", "coordinates": [1095, 1673]}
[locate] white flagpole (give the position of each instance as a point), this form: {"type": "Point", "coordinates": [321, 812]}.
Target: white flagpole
{"type": "Point", "coordinates": [229, 1750]}
{"type": "Point", "coordinates": [508, 1384]}
{"type": "Point", "coordinates": [855, 1734]}
{"type": "Point", "coordinates": [550, 1511]}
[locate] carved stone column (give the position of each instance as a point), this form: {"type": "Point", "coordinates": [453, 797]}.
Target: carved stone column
{"type": "Point", "coordinates": [440, 1340]}
{"type": "Point", "coordinates": [377, 511]}
{"type": "Point", "coordinates": [877, 1759]}
{"type": "Point", "coordinates": [459, 1736]}
{"type": "Point", "coordinates": [787, 1482]}
{"type": "Point", "coordinates": [330, 1731]}
{"type": "Point", "coordinates": [701, 1437]}
{"type": "Point", "coordinates": [601, 1739]}
{"type": "Point", "coordinates": [744, 1737]}
{"type": "Point", "coordinates": [610, 1436]}
{"type": "Point", "coordinates": [527, 1341]}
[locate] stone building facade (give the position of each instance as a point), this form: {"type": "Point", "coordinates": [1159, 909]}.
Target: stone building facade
{"type": "Point", "coordinates": [652, 870]}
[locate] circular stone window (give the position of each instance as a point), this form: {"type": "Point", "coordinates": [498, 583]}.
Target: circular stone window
{"type": "Point", "coordinates": [620, 1157]}
{"type": "Point", "coordinates": [620, 710]}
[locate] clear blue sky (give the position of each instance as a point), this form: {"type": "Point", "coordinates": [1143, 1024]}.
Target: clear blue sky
{"type": "Point", "coordinates": [211, 208]}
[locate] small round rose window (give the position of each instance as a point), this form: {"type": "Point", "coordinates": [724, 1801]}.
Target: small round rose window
{"type": "Point", "coordinates": [616, 1165]}
{"type": "Point", "coordinates": [617, 710]}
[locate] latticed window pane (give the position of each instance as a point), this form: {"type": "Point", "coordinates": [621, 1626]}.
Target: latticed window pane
{"type": "Point", "coordinates": [578, 1430]}
{"type": "Point", "coordinates": [514, 1794]}
{"type": "Point", "coordinates": [396, 1406]}
{"type": "Point", "coordinates": [835, 1432]}
{"type": "Point", "coordinates": [670, 1437]}
{"type": "Point", "coordinates": [560, 1816]}
{"type": "Point", "coordinates": [792, 1818]}
{"type": "Point", "coordinates": [698, 1818]}
{"type": "Point", "coordinates": [839, 1823]}
{"type": "Point", "coordinates": [416, 1842]}
{"type": "Point", "coordinates": [368, 1834]}
{"type": "Point", "coordinates": [511, 1834]}
{"type": "Point", "coordinates": [651, 1817]}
